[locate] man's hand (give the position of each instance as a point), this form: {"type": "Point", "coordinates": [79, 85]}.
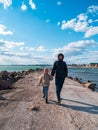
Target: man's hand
{"type": "Point", "coordinates": [51, 77]}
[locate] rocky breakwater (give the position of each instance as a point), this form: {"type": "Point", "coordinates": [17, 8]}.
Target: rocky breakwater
{"type": "Point", "coordinates": [8, 78]}
{"type": "Point", "coordinates": [87, 84]}
{"type": "Point", "coordinates": [23, 108]}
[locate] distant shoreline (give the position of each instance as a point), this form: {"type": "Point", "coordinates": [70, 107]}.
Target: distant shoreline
{"type": "Point", "coordinates": [52, 65]}
{"type": "Point", "coordinates": [80, 67]}
{"type": "Point", "coordinates": [28, 65]}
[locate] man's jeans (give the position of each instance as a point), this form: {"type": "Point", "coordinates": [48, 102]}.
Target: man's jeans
{"type": "Point", "coordinates": [45, 91]}
{"type": "Point", "coordinates": [59, 84]}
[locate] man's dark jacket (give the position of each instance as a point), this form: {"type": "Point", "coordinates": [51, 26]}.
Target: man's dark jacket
{"type": "Point", "coordinates": [60, 69]}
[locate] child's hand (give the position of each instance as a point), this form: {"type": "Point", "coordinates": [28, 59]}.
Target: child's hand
{"type": "Point", "coordinates": [39, 85]}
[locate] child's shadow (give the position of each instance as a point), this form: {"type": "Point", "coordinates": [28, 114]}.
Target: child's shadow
{"type": "Point", "coordinates": [80, 106]}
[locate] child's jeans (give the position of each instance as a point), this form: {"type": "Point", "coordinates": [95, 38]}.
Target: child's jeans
{"type": "Point", "coordinates": [45, 91]}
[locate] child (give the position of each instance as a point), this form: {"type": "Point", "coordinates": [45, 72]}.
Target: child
{"type": "Point", "coordinates": [45, 81]}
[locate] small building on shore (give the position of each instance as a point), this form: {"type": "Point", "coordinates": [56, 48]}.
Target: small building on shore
{"type": "Point", "coordinates": [93, 64]}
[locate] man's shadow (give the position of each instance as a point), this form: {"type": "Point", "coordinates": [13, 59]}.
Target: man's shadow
{"type": "Point", "coordinates": [81, 106]}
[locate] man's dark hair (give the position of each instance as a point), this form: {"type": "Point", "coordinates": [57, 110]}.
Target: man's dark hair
{"type": "Point", "coordinates": [61, 55]}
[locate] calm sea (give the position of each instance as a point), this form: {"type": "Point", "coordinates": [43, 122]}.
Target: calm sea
{"type": "Point", "coordinates": [84, 74]}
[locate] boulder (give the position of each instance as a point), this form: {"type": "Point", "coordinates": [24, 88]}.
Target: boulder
{"type": "Point", "coordinates": [89, 85]}
{"type": "Point", "coordinates": [4, 84]}
{"type": "Point", "coordinates": [13, 74]}
{"type": "Point", "coordinates": [4, 75]}
{"type": "Point", "coordinates": [18, 76]}
{"type": "Point", "coordinates": [25, 72]}
{"type": "Point", "coordinates": [39, 69]}
{"type": "Point", "coordinates": [76, 79]}
{"type": "Point", "coordinates": [30, 70]}
{"type": "Point", "coordinates": [70, 78]}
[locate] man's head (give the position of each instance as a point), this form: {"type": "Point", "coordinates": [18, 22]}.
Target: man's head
{"type": "Point", "coordinates": [60, 57]}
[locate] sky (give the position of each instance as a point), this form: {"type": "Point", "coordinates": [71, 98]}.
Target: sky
{"type": "Point", "coordinates": [36, 31]}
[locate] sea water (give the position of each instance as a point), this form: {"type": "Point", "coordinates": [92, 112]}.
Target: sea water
{"type": "Point", "coordinates": [84, 74]}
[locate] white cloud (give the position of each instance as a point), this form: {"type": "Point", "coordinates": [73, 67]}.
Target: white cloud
{"type": "Point", "coordinates": [18, 53]}
{"type": "Point", "coordinates": [81, 24]}
{"type": "Point", "coordinates": [41, 49]}
{"type": "Point", "coordinates": [78, 52]}
{"type": "Point", "coordinates": [3, 49]}
{"type": "Point", "coordinates": [32, 4]}
{"type": "Point", "coordinates": [68, 24]}
{"type": "Point", "coordinates": [27, 48]}
{"type": "Point", "coordinates": [78, 24]}
{"type": "Point", "coordinates": [47, 20]}
{"type": "Point", "coordinates": [34, 49]}
{"type": "Point", "coordinates": [6, 3]}
{"type": "Point", "coordinates": [91, 31]}
{"type": "Point", "coordinates": [58, 23]}
{"type": "Point", "coordinates": [93, 55]}
{"type": "Point", "coordinates": [93, 9]}
{"type": "Point", "coordinates": [82, 17]}
{"type": "Point", "coordinates": [75, 52]}
{"type": "Point", "coordinates": [82, 43]}
{"type": "Point", "coordinates": [4, 31]}
{"type": "Point", "coordinates": [81, 27]}
{"type": "Point", "coordinates": [59, 3]}
{"type": "Point", "coordinates": [75, 48]}
{"type": "Point", "coordinates": [23, 7]}
{"type": "Point", "coordinates": [25, 58]}
{"type": "Point", "coordinates": [92, 21]}
{"type": "Point", "coordinates": [95, 20]}
{"type": "Point", "coordinates": [12, 60]}
{"type": "Point", "coordinates": [10, 44]}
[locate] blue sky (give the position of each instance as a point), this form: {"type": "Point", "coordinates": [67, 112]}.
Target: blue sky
{"type": "Point", "coordinates": [35, 31]}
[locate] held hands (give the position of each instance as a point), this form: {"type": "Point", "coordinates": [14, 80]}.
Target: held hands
{"type": "Point", "coordinates": [39, 85]}
{"type": "Point", "coordinates": [51, 77]}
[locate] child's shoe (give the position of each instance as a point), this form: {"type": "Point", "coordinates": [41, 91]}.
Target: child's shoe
{"type": "Point", "coordinates": [43, 96]}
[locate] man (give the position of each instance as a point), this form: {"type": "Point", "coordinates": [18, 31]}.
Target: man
{"type": "Point", "coordinates": [61, 72]}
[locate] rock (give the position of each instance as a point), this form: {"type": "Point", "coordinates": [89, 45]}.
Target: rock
{"type": "Point", "coordinates": [25, 72]}
{"type": "Point", "coordinates": [4, 75]}
{"type": "Point", "coordinates": [39, 69]}
{"type": "Point", "coordinates": [34, 108]}
{"type": "Point", "coordinates": [89, 85]}
{"type": "Point", "coordinates": [30, 70]}
{"type": "Point", "coordinates": [89, 81]}
{"type": "Point", "coordinates": [70, 78]}
{"type": "Point", "coordinates": [4, 84]}
{"type": "Point", "coordinates": [76, 79]}
{"type": "Point", "coordinates": [14, 76]}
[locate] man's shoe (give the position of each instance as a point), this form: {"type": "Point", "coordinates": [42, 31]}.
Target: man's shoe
{"type": "Point", "coordinates": [46, 100]}
{"type": "Point", "coordinates": [59, 101]}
